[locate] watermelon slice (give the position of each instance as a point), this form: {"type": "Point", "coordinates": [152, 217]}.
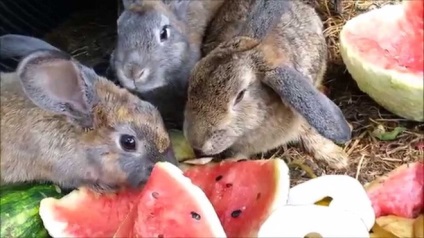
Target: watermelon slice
{"type": "Point", "coordinates": [169, 206]}
{"type": "Point", "coordinates": [83, 213]}
{"type": "Point", "coordinates": [400, 192]}
{"type": "Point", "coordinates": [383, 51]}
{"type": "Point", "coordinates": [243, 193]}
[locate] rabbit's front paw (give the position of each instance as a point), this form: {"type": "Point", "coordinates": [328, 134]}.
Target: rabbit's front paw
{"type": "Point", "coordinates": [332, 154]}
{"type": "Point", "coordinates": [325, 150]}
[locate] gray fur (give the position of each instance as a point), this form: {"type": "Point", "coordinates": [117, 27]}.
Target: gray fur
{"type": "Point", "coordinates": [18, 46]}
{"type": "Point", "coordinates": [263, 58]}
{"type": "Point", "coordinates": [44, 139]}
{"type": "Point", "coordinates": [138, 47]}
{"type": "Point", "coordinates": [319, 111]}
{"type": "Point", "coordinates": [168, 63]}
{"type": "Point", "coordinates": [128, 3]}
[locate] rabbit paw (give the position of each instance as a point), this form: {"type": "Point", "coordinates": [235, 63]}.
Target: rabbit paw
{"type": "Point", "coordinates": [332, 154]}
{"type": "Point", "coordinates": [325, 150]}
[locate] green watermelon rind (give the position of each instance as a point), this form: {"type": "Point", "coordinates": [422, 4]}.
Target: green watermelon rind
{"type": "Point", "coordinates": [20, 207]}
{"type": "Point", "coordinates": [397, 92]}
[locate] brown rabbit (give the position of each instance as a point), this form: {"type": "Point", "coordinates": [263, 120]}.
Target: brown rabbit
{"type": "Point", "coordinates": [61, 122]}
{"type": "Point", "coordinates": [255, 90]}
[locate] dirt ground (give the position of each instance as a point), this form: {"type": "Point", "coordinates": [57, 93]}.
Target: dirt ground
{"type": "Point", "coordinates": [90, 35]}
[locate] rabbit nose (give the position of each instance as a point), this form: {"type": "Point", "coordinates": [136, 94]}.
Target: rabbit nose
{"type": "Point", "coordinates": [138, 73]}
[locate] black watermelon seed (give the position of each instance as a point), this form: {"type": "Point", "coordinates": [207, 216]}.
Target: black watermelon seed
{"type": "Point", "coordinates": [258, 196]}
{"type": "Point", "coordinates": [160, 236]}
{"type": "Point", "coordinates": [155, 195]}
{"type": "Point", "coordinates": [228, 185]}
{"type": "Point", "coordinates": [218, 178]}
{"type": "Point", "coordinates": [241, 160]}
{"type": "Point", "coordinates": [195, 216]}
{"type": "Point", "coordinates": [236, 213]}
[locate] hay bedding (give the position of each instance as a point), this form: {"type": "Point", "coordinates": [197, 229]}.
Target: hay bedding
{"type": "Point", "coordinates": [90, 36]}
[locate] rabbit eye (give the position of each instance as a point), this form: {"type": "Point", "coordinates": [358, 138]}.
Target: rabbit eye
{"type": "Point", "coordinates": [164, 33]}
{"type": "Point", "coordinates": [127, 142]}
{"type": "Point", "coordinates": [239, 96]}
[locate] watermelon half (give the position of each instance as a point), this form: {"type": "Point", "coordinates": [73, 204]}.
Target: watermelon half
{"type": "Point", "coordinates": [243, 193]}
{"type": "Point", "coordinates": [400, 192]}
{"type": "Point", "coordinates": [383, 51]}
{"type": "Point", "coordinates": [169, 206]}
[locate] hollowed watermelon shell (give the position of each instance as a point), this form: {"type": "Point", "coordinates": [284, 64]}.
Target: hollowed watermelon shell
{"type": "Point", "coordinates": [383, 51]}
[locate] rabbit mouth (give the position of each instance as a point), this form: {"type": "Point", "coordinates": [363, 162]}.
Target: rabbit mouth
{"type": "Point", "coordinates": [201, 154]}
{"type": "Point", "coordinates": [213, 150]}
{"type": "Point", "coordinates": [103, 188]}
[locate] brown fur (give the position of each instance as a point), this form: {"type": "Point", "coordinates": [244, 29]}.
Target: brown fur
{"type": "Point", "coordinates": [200, 14]}
{"type": "Point", "coordinates": [260, 121]}
{"type": "Point", "coordinates": [41, 145]}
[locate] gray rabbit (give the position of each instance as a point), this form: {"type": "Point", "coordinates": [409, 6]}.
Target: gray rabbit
{"type": "Point", "coordinates": [159, 41]}
{"type": "Point", "coordinates": [63, 123]}
{"type": "Point", "coordinates": [256, 89]}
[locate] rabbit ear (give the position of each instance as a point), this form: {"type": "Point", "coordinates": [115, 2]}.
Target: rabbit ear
{"type": "Point", "coordinates": [318, 110]}
{"type": "Point", "coordinates": [128, 3]}
{"type": "Point", "coordinates": [178, 7]}
{"type": "Point", "coordinates": [55, 82]}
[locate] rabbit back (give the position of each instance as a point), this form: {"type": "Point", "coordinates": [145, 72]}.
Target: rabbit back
{"type": "Point", "coordinates": [300, 38]}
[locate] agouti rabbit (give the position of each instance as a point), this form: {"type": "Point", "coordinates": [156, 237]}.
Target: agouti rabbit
{"type": "Point", "coordinates": [256, 90]}
{"type": "Point", "coordinates": [61, 122]}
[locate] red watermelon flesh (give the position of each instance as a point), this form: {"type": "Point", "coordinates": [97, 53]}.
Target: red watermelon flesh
{"type": "Point", "coordinates": [83, 213]}
{"type": "Point", "coordinates": [400, 192]}
{"type": "Point", "coordinates": [414, 13]}
{"type": "Point", "coordinates": [171, 206]}
{"type": "Point", "coordinates": [165, 208]}
{"type": "Point", "coordinates": [243, 193]}
{"type": "Point", "coordinates": [397, 35]}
